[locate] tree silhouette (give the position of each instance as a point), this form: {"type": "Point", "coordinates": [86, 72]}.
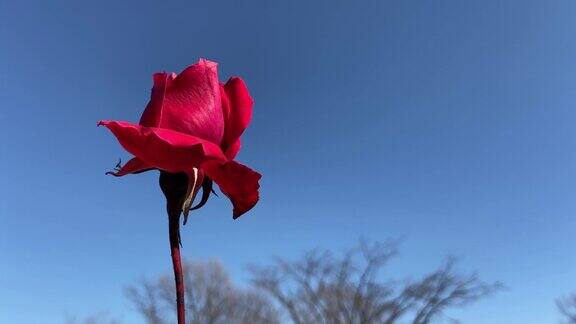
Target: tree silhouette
{"type": "Point", "coordinates": [210, 298]}
{"type": "Point", "coordinates": [323, 288]}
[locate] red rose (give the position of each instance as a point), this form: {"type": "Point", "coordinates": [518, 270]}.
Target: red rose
{"type": "Point", "coordinates": [192, 124]}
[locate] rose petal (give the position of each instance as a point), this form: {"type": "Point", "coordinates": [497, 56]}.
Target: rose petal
{"type": "Point", "coordinates": [134, 166]}
{"type": "Point", "coordinates": [237, 111]}
{"type": "Point", "coordinates": [233, 150]}
{"type": "Point", "coordinates": [236, 181]}
{"type": "Point", "coordinates": [189, 103]}
{"type": "Point", "coordinates": [153, 113]}
{"type": "Point", "coordinates": [163, 148]}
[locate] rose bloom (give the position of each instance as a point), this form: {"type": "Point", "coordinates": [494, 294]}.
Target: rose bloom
{"type": "Point", "coordinates": [192, 125]}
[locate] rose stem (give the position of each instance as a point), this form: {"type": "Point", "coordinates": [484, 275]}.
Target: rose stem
{"type": "Point", "coordinates": [174, 228]}
{"type": "Point", "coordinates": [174, 187]}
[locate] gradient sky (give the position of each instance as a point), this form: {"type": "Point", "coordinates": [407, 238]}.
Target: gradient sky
{"type": "Point", "coordinates": [449, 124]}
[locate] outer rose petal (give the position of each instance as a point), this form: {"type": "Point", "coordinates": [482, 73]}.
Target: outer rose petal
{"type": "Point", "coordinates": [233, 150]}
{"type": "Point", "coordinates": [189, 103]}
{"type": "Point", "coordinates": [153, 113]}
{"type": "Point", "coordinates": [163, 148]}
{"type": "Point", "coordinates": [134, 166]}
{"type": "Point", "coordinates": [236, 181]}
{"type": "Point", "coordinates": [237, 109]}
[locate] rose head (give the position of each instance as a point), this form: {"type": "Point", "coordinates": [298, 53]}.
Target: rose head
{"type": "Point", "coordinates": [192, 125]}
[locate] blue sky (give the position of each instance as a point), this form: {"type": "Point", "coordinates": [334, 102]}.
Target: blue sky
{"type": "Point", "coordinates": [449, 124]}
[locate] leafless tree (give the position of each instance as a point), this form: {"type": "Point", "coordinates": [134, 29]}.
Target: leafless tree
{"type": "Point", "coordinates": [322, 288]}
{"type": "Point", "coordinates": [319, 288]}
{"type": "Point", "coordinates": [567, 307]}
{"type": "Point", "coordinates": [211, 298]}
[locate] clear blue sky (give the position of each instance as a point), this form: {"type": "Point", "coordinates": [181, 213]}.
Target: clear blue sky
{"type": "Point", "coordinates": [450, 124]}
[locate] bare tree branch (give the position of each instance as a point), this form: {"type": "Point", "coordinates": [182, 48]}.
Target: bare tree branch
{"type": "Point", "coordinates": [146, 301]}
{"type": "Point", "coordinates": [98, 318]}
{"type": "Point", "coordinates": [567, 307]}
{"type": "Point", "coordinates": [443, 288]}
